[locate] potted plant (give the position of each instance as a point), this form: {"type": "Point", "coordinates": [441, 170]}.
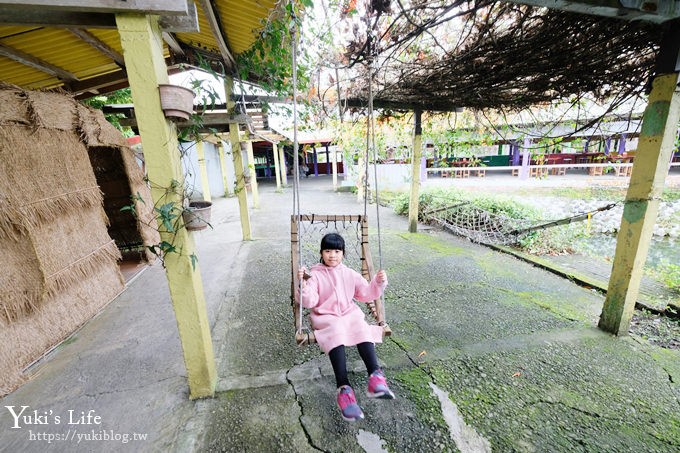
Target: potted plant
{"type": "Point", "coordinates": [196, 216]}
{"type": "Point", "coordinates": [176, 101]}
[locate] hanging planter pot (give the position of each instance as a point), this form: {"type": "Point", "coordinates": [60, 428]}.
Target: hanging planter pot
{"type": "Point", "coordinates": [176, 101]}
{"type": "Point", "coordinates": [197, 215]}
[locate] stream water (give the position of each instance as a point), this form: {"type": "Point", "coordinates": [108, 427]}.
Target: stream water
{"type": "Point", "coordinates": [661, 250]}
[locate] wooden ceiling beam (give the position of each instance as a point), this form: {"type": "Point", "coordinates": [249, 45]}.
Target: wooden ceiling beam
{"type": "Point", "coordinates": [110, 82]}
{"type": "Point", "coordinates": [157, 7]}
{"type": "Point", "coordinates": [213, 21]}
{"type": "Point", "coordinates": [208, 121]}
{"type": "Point", "coordinates": [37, 63]}
{"type": "Point", "coordinates": [172, 43]}
{"type": "Point", "coordinates": [255, 98]}
{"type": "Point", "coordinates": [402, 105]}
{"type": "Point", "coordinates": [656, 11]}
{"type": "Point", "coordinates": [102, 84]}
{"type": "Point", "coordinates": [98, 44]}
{"type": "Point", "coordinates": [187, 23]}
{"type": "Point", "coordinates": [56, 19]}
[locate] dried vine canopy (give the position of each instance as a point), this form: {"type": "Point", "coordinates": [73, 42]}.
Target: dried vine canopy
{"type": "Point", "coordinates": [478, 54]}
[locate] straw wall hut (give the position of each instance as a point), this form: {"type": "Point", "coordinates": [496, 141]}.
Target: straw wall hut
{"type": "Point", "coordinates": [60, 262]}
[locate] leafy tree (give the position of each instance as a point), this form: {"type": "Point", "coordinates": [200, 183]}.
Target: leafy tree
{"type": "Point", "coordinates": [122, 96]}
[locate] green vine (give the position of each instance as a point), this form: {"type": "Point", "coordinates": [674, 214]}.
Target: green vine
{"type": "Point", "coordinates": [166, 220]}
{"type": "Point", "coordinates": [269, 60]}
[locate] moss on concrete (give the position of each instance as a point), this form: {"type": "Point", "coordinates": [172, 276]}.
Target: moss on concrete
{"type": "Point", "coordinates": [669, 360]}
{"type": "Point", "coordinates": [259, 419]}
{"type": "Point", "coordinates": [433, 244]}
{"type": "Point", "coordinates": [595, 395]}
{"type": "Point", "coordinates": [562, 308]}
{"type": "Point", "coordinates": [489, 263]}
{"type": "Point", "coordinates": [524, 377]}
{"type": "Point", "coordinates": [416, 383]}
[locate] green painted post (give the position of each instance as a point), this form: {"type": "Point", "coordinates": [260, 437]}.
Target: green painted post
{"type": "Point", "coordinates": [415, 172]}
{"type": "Point", "coordinates": [650, 168]}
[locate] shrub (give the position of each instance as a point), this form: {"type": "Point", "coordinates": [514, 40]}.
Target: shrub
{"type": "Point", "coordinates": [555, 240]}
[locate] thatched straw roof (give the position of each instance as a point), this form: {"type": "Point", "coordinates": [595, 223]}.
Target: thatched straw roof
{"type": "Point", "coordinates": [480, 54]}
{"type": "Point", "coordinates": [60, 262]}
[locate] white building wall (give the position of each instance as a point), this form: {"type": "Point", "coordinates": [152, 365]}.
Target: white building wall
{"type": "Point", "coordinates": [192, 171]}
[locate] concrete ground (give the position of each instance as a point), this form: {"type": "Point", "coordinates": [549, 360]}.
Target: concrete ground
{"type": "Point", "coordinates": [489, 353]}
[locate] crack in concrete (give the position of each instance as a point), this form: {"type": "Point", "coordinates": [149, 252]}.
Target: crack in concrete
{"type": "Point", "coordinates": [310, 440]}
{"type": "Point", "coordinates": [408, 356]}
{"type": "Point", "coordinates": [95, 395]}
{"type": "Point", "coordinates": [670, 376]}
{"type": "Point", "coordinates": [595, 415]}
{"type": "Point", "coordinates": [671, 383]}
{"type": "Point", "coordinates": [575, 409]}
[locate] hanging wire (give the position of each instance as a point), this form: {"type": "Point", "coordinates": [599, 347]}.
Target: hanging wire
{"type": "Point", "coordinates": [296, 165]}
{"type": "Point", "coordinates": [370, 146]}
{"type": "Point", "coordinates": [375, 172]}
{"type": "Point", "coordinates": [369, 116]}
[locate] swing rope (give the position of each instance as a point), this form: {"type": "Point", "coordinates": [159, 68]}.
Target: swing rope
{"type": "Point", "coordinates": [370, 145]}
{"type": "Point", "coordinates": [296, 165]}
{"type": "Point", "coordinates": [371, 150]}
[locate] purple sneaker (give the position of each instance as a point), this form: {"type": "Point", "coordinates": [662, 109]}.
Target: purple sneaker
{"type": "Point", "coordinates": [347, 403]}
{"type": "Point", "coordinates": [377, 386]}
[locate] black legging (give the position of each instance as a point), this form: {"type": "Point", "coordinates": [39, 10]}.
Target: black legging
{"type": "Point", "coordinates": [339, 361]}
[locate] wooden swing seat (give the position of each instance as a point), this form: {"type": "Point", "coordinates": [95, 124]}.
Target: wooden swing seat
{"type": "Point", "coordinates": [303, 335]}
{"type": "Point", "coordinates": [307, 336]}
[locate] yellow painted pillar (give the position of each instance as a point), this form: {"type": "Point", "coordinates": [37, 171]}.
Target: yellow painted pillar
{"type": "Point", "coordinates": [334, 164]}
{"type": "Point", "coordinates": [282, 163]}
{"type": "Point", "coordinates": [253, 174]}
{"type": "Point", "coordinates": [650, 168]}
{"type": "Point", "coordinates": [142, 45]}
{"type": "Point", "coordinates": [415, 173]}
{"type": "Point", "coordinates": [240, 188]}
{"type": "Point", "coordinates": [203, 170]}
{"type": "Point", "coordinates": [223, 168]}
{"type": "Point", "coordinates": [361, 177]}
{"type": "Point", "coordinates": [275, 153]}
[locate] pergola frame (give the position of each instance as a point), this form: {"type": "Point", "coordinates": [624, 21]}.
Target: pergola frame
{"type": "Point", "coordinates": [659, 129]}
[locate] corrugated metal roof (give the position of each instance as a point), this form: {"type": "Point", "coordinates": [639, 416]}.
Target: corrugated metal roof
{"type": "Point", "coordinates": [55, 47]}
{"type": "Point", "coordinates": [240, 19]}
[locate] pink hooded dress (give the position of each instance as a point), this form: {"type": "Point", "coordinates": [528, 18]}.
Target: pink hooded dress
{"type": "Point", "coordinates": [336, 319]}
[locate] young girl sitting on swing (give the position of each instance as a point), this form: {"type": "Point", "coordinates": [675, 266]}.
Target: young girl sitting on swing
{"type": "Point", "coordinates": [338, 322]}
